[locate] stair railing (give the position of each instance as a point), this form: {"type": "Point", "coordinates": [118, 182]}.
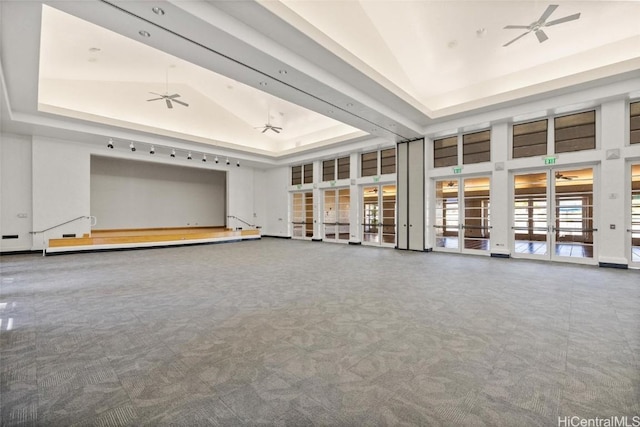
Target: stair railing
{"type": "Point", "coordinates": [244, 222]}
{"type": "Point", "coordinates": [93, 222]}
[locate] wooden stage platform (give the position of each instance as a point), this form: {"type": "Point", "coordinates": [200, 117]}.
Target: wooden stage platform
{"type": "Point", "coordinates": [148, 237]}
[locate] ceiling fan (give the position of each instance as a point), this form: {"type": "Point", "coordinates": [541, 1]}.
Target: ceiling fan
{"type": "Point", "coordinates": [169, 99]}
{"type": "Point", "coordinates": [538, 26]}
{"type": "Point", "coordinates": [567, 177]}
{"type": "Point", "coordinates": [269, 126]}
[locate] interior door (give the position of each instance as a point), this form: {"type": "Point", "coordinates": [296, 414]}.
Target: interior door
{"type": "Point", "coordinates": [634, 229]}
{"type": "Point", "coordinates": [379, 215]}
{"type": "Point", "coordinates": [302, 215]}
{"type": "Point", "coordinates": [553, 215]}
{"type": "Point", "coordinates": [336, 215]}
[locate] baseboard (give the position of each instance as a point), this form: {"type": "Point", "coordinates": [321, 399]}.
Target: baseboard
{"type": "Point", "coordinates": [613, 265]}
{"type": "Point", "coordinates": [21, 252]}
{"type": "Point", "coordinates": [499, 255]}
{"type": "Point", "coordinates": [276, 237]}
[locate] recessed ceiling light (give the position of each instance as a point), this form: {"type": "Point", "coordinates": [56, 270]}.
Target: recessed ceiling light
{"type": "Point", "coordinates": [263, 83]}
{"type": "Point", "coordinates": [158, 11]}
{"type": "Point", "coordinates": [481, 32]}
{"type": "Point", "coordinates": [94, 49]}
{"type": "Point", "coordinates": [452, 44]}
{"type": "Point", "coordinates": [144, 33]}
{"type": "Point", "coordinates": [283, 72]}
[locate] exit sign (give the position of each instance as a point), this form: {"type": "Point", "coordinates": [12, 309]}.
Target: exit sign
{"type": "Point", "coordinates": [549, 160]}
{"type": "Point", "coordinates": [457, 169]}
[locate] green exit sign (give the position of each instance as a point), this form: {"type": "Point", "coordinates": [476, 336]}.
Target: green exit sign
{"type": "Point", "coordinates": [549, 160]}
{"type": "Point", "coordinates": [457, 169]}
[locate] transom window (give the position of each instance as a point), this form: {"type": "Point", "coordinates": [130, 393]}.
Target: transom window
{"type": "Point", "coordinates": [336, 169]}
{"type": "Point", "coordinates": [302, 174]}
{"type": "Point", "coordinates": [378, 162]}
{"type": "Point", "coordinates": [635, 123]}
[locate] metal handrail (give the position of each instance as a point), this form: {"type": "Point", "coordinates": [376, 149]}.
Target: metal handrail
{"type": "Point", "coordinates": [93, 219]}
{"type": "Point", "coordinates": [243, 221]}
{"type": "Point", "coordinates": [64, 223]}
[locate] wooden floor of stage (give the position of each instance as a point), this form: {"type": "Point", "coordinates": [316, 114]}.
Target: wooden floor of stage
{"type": "Point", "coordinates": [149, 237]}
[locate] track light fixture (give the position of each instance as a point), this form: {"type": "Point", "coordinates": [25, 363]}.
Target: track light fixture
{"type": "Point", "coordinates": [216, 160]}
{"type": "Point", "coordinates": [238, 163]}
{"type": "Point", "coordinates": [110, 143]}
{"type": "Point", "coordinates": [133, 147]}
{"type": "Point", "coordinates": [228, 161]}
{"type": "Point", "coordinates": [204, 157]}
{"type": "Point", "coordinates": [173, 152]}
{"type": "Point", "coordinates": [152, 150]}
{"type": "Point", "coordinates": [189, 156]}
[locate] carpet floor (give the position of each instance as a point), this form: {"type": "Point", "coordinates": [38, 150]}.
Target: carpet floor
{"type": "Point", "coordinates": [280, 332]}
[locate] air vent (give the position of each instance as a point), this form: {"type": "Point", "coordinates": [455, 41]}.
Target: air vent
{"type": "Point", "coordinates": [9, 236]}
{"type": "Point", "coordinates": [69, 235]}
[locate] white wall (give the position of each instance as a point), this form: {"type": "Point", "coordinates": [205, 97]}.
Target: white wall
{"type": "Point", "coordinates": [276, 194]}
{"type": "Point", "coordinates": [15, 186]}
{"type": "Point", "coordinates": [138, 194]}
{"type": "Point", "coordinates": [60, 171]}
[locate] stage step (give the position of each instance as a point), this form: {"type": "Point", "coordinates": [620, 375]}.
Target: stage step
{"type": "Point", "coordinates": [148, 237]}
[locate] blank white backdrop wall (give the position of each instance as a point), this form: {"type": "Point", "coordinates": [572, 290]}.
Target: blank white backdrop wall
{"type": "Point", "coordinates": [138, 194]}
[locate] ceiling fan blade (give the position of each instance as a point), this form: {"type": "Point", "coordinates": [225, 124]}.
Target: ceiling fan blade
{"type": "Point", "coordinates": [154, 99]}
{"type": "Point", "coordinates": [275, 130]}
{"type": "Point", "coordinates": [548, 12]}
{"type": "Point", "coordinates": [517, 38]}
{"type": "Point", "coordinates": [542, 37]}
{"type": "Point", "coordinates": [561, 20]}
{"type": "Point", "coordinates": [169, 105]}
{"type": "Point", "coordinates": [180, 102]}
{"type": "Point", "coordinates": [265, 129]}
{"type": "Point", "coordinates": [175, 95]}
{"type": "Point", "coordinates": [276, 127]}
{"type": "Point", "coordinates": [514, 27]}
{"type": "Point", "coordinates": [159, 94]}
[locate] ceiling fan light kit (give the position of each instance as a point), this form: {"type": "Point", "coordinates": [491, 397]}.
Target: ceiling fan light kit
{"type": "Point", "coordinates": [537, 27]}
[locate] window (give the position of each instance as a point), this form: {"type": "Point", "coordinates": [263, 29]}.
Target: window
{"type": "Point", "coordinates": [329, 169]}
{"type": "Point", "coordinates": [445, 152]}
{"type": "Point", "coordinates": [369, 164]}
{"type": "Point", "coordinates": [298, 173]}
{"type": "Point", "coordinates": [635, 123]}
{"type": "Point", "coordinates": [378, 162]}
{"type": "Point", "coordinates": [575, 132]}
{"type": "Point", "coordinates": [308, 173]}
{"type": "Point", "coordinates": [388, 161]}
{"type": "Point", "coordinates": [530, 139]}
{"type": "Point", "coordinates": [344, 168]}
{"type": "Point", "coordinates": [476, 147]}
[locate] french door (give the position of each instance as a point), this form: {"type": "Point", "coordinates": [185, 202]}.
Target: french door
{"type": "Point", "coordinates": [553, 215]}
{"type": "Point", "coordinates": [634, 229]}
{"type": "Point", "coordinates": [379, 215]}
{"type": "Point", "coordinates": [302, 215]}
{"type": "Point", "coordinates": [336, 215]}
{"type": "Point", "coordinates": [462, 217]}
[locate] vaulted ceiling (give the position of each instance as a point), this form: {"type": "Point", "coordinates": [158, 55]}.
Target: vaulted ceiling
{"type": "Point", "coordinates": [326, 72]}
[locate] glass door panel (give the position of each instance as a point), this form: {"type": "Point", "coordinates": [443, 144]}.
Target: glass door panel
{"type": "Point", "coordinates": [370, 215]}
{"type": "Point", "coordinates": [447, 223]}
{"type": "Point", "coordinates": [476, 224]}
{"type": "Point", "coordinates": [302, 215]}
{"type": "Point", "coordinates": [634, 230]}
{"type": "Point", "coordinates": [530, 214]}
{"type": "Point", "coordinates": [344, 208]}
{"type": "Point", "coordinates": [389, 214]}
{"type": "Point", "coordinates": [573, 224]}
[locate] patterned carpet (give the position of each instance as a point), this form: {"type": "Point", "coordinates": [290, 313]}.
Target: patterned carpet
{"type": "Point", "coordinates": [278, 332]}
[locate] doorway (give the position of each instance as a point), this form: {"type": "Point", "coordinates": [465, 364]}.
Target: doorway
{"type": "Point", "coordinates": [553, 215]}
{"type": "Point", "coordinates": [302, 215]}
{"type": "Point", "coordinates": [634, 229]}
{"type": "Point", "coordinates": [463, 214]}
{"type": "Point", "coordinates": [379, 215]}
{"type": "Point", "coordinates": [335, 220]}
